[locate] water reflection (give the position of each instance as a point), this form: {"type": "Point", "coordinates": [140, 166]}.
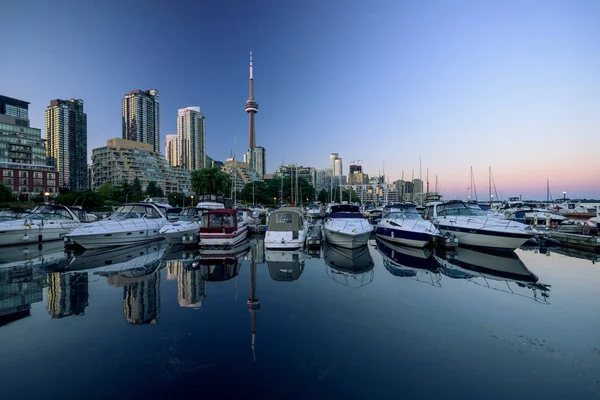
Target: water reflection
{"type": "Point", "coordinates": [285, 265]}
{"type": "Point", "coordinates": [349, 267]}
{"type": "Point", "coordinates": [410, 262]}
{"type": "Point", "coordinates": [67, 294]}
{"type": "Point", "coordinates": [47, 255]}
{"type": "Point", "coordinates": [20, 286]}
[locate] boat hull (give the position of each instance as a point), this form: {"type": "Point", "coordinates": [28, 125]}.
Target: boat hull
{"type": "Point", "coordinates": [404, 237]}
{"type": "Point", "coordinates": [487, 239]}
{"type": "Point", "coordinates": [347, 240]}
{"type": "Point", "coordinates": [175, 233]}
{"type": "Point", "coordinates": [10, 237]}
{"type": "Point", "coordinates": [223, 239]}
{"type": "Point", "coordinates": [285, 240]}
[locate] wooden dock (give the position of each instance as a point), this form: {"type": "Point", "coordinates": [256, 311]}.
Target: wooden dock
{"type": "Point", "coordinates": [575, 241]}
{"type": "Point", "coordinates": [313, 239]}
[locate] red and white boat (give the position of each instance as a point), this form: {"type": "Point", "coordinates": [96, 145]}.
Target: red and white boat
{"type": "Point", "coordinates": [220, 228]}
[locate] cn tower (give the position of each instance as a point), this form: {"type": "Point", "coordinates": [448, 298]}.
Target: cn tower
{"type": "Point", "coordinates": [251, 109]}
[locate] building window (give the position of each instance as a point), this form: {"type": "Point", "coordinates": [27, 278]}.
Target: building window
{"type": "Point", "coordinates": [38, 175]}
{"type": "Point", "coordinates": [23, 174]}
{"type": "Point", "coordinates": [23, 189]}
{"type": "Point", "coordinates": [38, 189]}
{"type": "Point", "coordinates": [50, 190]}
{"type": "Point", "coordinates": [51, 176]}
{"type": "Point", "coordinates": [8, 181]}
{"type": "Point", "coordinates": [38, 182]}
{"type": "Point", "coordinates": [7, 172]}
{"type": "Point", "coordinates": [51, 183]}
{"type": "Point", "coordinates": [23, 181]}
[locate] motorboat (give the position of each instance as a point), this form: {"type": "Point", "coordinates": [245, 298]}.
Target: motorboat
{"type": "Point", "coordinates": [258, 210]}
{"type": "Point", "coordinates": [45, 223]}
{"type": "Point", "coordinates": [472, 227]}
{"type": "Point", "coordinates": [247, 216]}
{"type": "Point", "coordinates": [345, 226]}
{"type": "Point", "coordinates": [130, 224]}
{"type": "Point", "coordinates": [402, 224]}
{"type": "Point", "coordinates": [220, 227]}
{"type": "Point", "coordinates": [287, 229]}
{"type": "Point", "coordinates": [159, 201]}
{"type": "Point", "coordinates": [577, 226]}
{"type": "Point", "coordinates": [285, 265]}
{"type": "Point", "coordinates": [187, 225]}
{"type": "Point", "coordinates": [211, 201]}
{"type": "Point", "coordinates": [314, 212]}
{"type": "Point", "coordinates": [349, 267]}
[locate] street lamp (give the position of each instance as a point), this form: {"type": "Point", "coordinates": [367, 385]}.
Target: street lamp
{"type": "Point", "coordinates": [491, 201]}
{"type": "Point", "coordinates": [46, 197]}
{"type": "Point", "coordinates": [192, 205]}
{"type": "Point", "coordinates": [564, 196]}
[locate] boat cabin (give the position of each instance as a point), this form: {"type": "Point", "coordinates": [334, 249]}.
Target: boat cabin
{"type": "Point", "coordinates": [286, 219]}
{"type": "Point", "coordinates": [345, 211]}
{"type": "Point", "coordinates": [452, 208]}
{"type": "Point", "coordinates": [138, 210]}
{"type": "Point", "coordinates": [219, 221]}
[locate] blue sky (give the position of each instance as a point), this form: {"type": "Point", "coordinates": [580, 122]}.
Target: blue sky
{"type": "Point", "coordinates": [509, 84]}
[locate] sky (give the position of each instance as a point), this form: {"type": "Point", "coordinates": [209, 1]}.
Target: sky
{"type": "Point", "coordinates": [509, 85]}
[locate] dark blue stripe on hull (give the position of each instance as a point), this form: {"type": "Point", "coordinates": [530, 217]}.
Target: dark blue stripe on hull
{"type": "Point", "coordinates": [402, 234]}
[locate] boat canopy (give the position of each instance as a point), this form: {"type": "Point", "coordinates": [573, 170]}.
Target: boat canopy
{"type": "Point", "coordinates": [345, 211]}
{"type": "Point", "coordinates": [137, 210]}
{"type": "Point", "coordinates": [286, 219]}
{"type": "Point", "coordinates": [219, 218]}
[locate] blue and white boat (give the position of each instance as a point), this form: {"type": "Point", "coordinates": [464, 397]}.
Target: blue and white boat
{"type": "Point", "coordinates": [346, 227]}
{"type": "Point", "coordinates": [401, 223]}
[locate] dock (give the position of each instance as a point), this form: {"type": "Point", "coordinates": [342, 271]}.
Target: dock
{"type": "Point", "coordinates": [575, 241]}
{"type": "Point", "coordinates": [313, 239]}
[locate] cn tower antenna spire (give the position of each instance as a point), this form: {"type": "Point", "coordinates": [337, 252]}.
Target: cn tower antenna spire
{"type": "Point", "coordinates": [251, 75]}
{"type": "Point", "coordinates": [251, 108]}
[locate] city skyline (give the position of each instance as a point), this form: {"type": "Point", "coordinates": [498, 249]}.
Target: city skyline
{"type": "Point", "coordinates": [511, 85]}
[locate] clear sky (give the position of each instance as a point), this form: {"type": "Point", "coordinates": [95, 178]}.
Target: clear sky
{"type": "Point", "coordinates": [511, 85]}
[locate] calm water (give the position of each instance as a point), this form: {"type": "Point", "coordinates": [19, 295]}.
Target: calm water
{"type": "Point", "coordinates": [382, 322]}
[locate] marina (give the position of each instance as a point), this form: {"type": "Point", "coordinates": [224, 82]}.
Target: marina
{"type": "Point", "coordinates": [174, 320]}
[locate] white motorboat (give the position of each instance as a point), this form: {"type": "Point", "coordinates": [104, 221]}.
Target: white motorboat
{"type": "Point", "coordinates": [285, 265]}
{"type": "Point", "coordinates": [287, 229]}
{"type": "Point", "coordinates": [345, 226]}
{"type": "Point", "coordinates": [258, 210]}
{"type": "Point", "coordinates": [187, 225]}
{"type": "Point", "coordinates": [130, 224]}
{"type": "Point", "coordinates": [220, 227]}
{"type": "Point", "coordinates": [211, 201]}
{"type": "Point", "coordinates": [472, 227]}
{"type": "Point", "coordinates": [247, 216]}
{"type": "Point", "coordinates": [314, 212]}
{"type": "Point", "coordinates": [45, 223]}
{"type": "Point", "coordinates": [402, 224]}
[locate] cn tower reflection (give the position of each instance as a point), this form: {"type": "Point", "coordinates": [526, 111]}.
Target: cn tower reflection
{"type": "Point", "coordinates": [253, 301]}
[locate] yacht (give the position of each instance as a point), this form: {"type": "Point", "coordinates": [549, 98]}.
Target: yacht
{"type": "Point", "coordinates": [402, 224]}
{"type": "Point", "coordinates": [159, 201]}
{"type": "Point", "coordinates": [314, 212]}
{"type": "Point", "coordinates": [211, 201]}
{"type": "Point", "coordinates": [45, 223]}
{"type": "Point", "coordinates": [186, 226]}
{"type": "Point", "coordinates": [220, 227]}
{"type": "Point", "coordinates": [472, 227]}
{"type": "Point", "coordinates": [133, 223]}
{"type": "Point", "coordinates": [345, 226]}
{"type": "Point", "coordinates": [287, 229]}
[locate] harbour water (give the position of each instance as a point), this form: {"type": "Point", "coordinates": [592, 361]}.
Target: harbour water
{"type": "Point", "coordinates": [385, 322]}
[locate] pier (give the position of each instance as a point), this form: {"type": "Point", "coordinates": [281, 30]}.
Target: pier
{"type": "Point", "coordinates": [575, 241]}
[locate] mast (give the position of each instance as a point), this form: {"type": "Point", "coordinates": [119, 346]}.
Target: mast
{"type": "Point", "coordinates": [427, 195]}
{"type": "Point", "coordinates": [421, 182]}
{"type": "Point", "coordinates": [281, 190]}
{"type": "Point", "coordinates": [490, 183]}
{"type": "Point", "coordinates": [234, 174]}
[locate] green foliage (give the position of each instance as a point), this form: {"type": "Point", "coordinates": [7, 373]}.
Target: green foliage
{"type": "Point", "coordinates": [109, 192]}
{"type": "Point", "coordinates": [153, 190]}
{"type": "Point", "coordinates": [211, 181]}
{"type": "Point", "coordinates": [5, 193]}
{"type": "Point", "coordinates": [262, 194]}
{"type": "Point", "coordinates": [137, 194]}
{"type": "Point", "coordinates": [86, 199]}
{"type": "Point", "coordinates": [323, 196]}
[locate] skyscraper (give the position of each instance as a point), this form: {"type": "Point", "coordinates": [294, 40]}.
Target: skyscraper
{"type": "Point", "coordinates": [337, 167]}
{"type": "Point", "coordinates": [141, 120]}
{"type": "Point", "coordinates": [66, 136]}
{"type": "Point", "coordinates": [191, 136]}
{"type": "Point", "coordinates": [332, 158]}
{"type": "Point", "coordinates": [172, 150]}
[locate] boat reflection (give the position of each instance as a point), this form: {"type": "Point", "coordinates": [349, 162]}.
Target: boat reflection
{"type": "Point", "coordinates": [410, 262]}
{"type": "Point", "coordinates": [350, 267]}
{"type": "Point", "coordinates": [221, 264]}
{"type": "Point", "coordinates": [499, 271]}
{"type": "Point", "coordinates": [47, 255]}
{"type": "Point", "coordinates": [285, 265]}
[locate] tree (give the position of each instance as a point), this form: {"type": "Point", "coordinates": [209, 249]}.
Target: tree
{"type": "Point", "coordinates": [108, 191]}
{"type": "Point", "coordinates": [323, 196]}
{"type": "Point", "coordinates": [211, 181]}
{"type": "Point", "coordinates": [137, 191]}
{"type": "Point", "coordinates": [261, 193]}
{"type": "Point", "coordinates": [5, 193]}
{"type": "Point", "coordinates": [153, 190]}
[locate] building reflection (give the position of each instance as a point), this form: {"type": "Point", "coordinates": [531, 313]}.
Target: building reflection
{"type": "Point", "coordinates": [191, 283]}
{"type": "Point", "coordinates": [67, 294]}
{"type": "Point", "coordinates": [141, 300]}
{"type": "Point", "coordinates": [20, 286]}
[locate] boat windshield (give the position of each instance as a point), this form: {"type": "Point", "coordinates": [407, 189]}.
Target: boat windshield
{"type": "Point", "coordinates": [134, 211]}
{"type": "Point", "coordinates": [217, 221]}
{"type": "Point", "coordinates": [458, 209]}
{"type": "Point", "coordinates": [47, 212]}
{"type": "Point", "coordinates": [404, 214]}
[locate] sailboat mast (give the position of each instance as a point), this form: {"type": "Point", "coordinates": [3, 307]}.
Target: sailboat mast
{"type": "Point", "coordinates": [490, 183]}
